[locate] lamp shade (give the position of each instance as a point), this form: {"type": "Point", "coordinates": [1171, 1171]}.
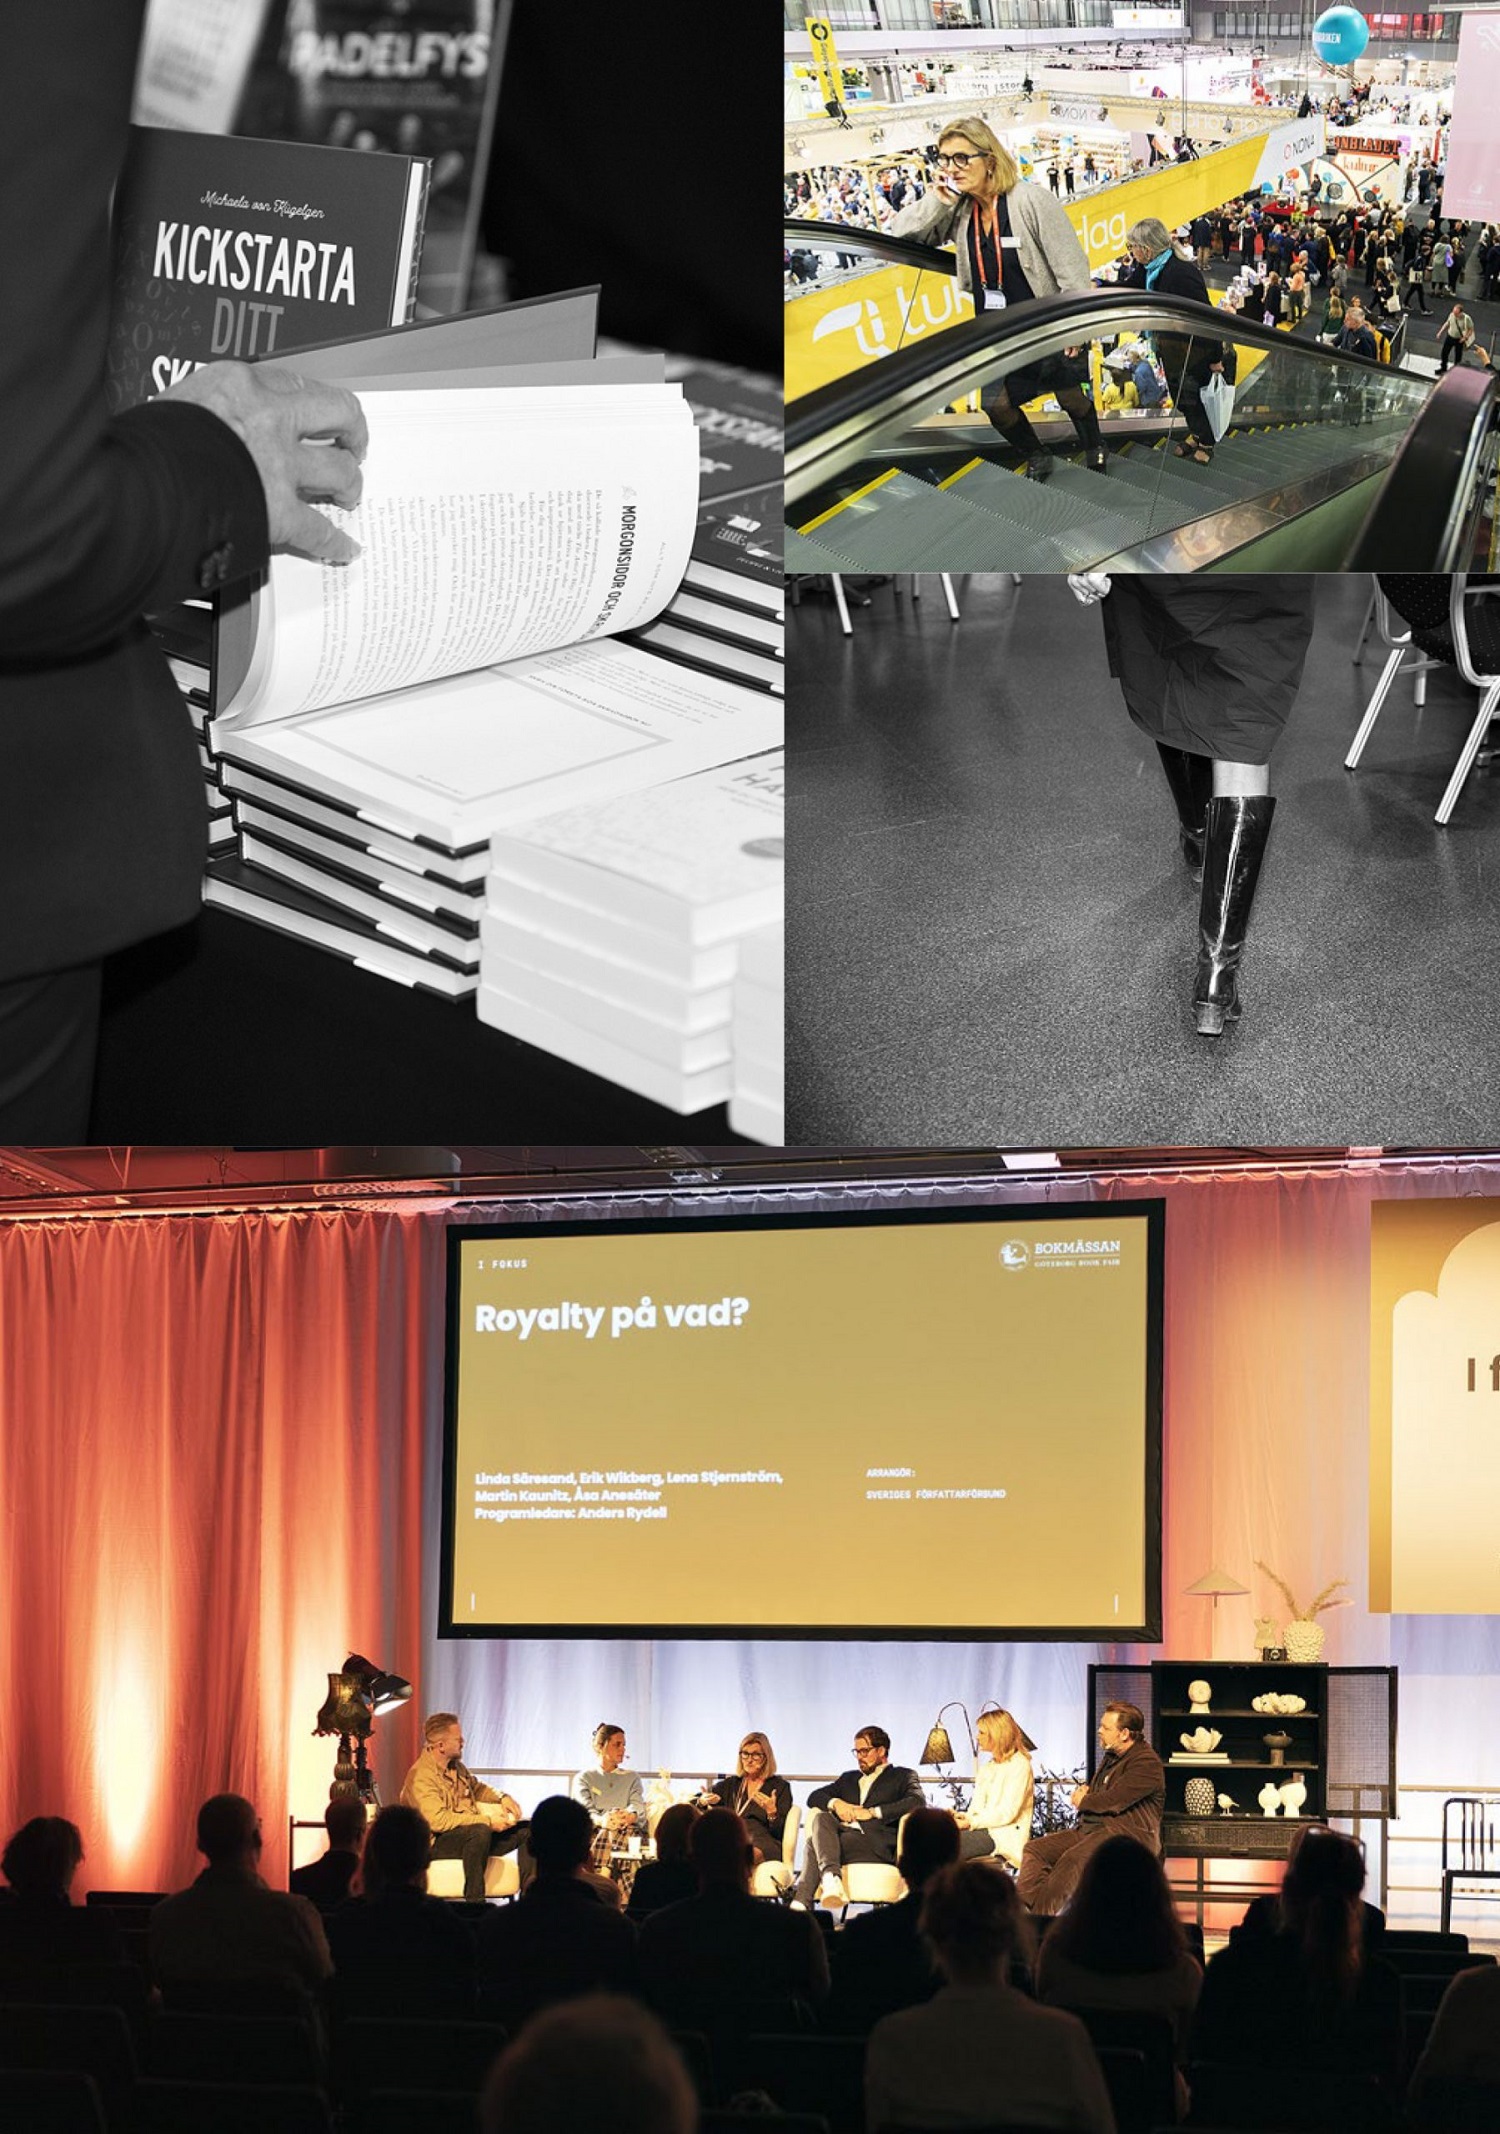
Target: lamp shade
{"type": "Point", "coordinates": [1214, 1583]}
{"type": "Point", "coordinates": [385, 1691]}
{"type": "Point", "coordinates": [939, 1749]}
{"type": "Point", "coordinates": [346, 1708]}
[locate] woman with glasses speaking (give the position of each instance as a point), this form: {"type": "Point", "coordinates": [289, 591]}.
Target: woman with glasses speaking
{"type": "Point", "coordinates": [756, 1794]}
{"type": "Point", "coordinates": [1014, 242]}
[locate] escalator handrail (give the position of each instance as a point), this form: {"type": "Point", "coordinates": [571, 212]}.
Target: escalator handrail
{"type": "Point", "coordinates": [1412, 514]}
{"type": "Point", "coordinates": [928, 371]}
{"type": "Point", "coordinates": [904, 251]}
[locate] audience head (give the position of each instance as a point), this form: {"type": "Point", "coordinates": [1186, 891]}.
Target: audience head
{"type": "Point", "coordinates": [878, 1741]}
{"type": "Point", "coordinates": [720, 1850]}
{"type": "Point", "coordinates": [568, 2059]}
{"type": "Point", "coordinates": [43, 1856]}
{"type": "Point", "coordinates": [1122, 1917]}
{"type": "Point", "coordinates": [562, 1833]}
{"type": "Point", "coordinates": [757, 1758]}
{"type": "Point", "coordinates": [929, 1842]}
{"type": "Point", "coordinates": [609, 1744]}
{"type": "Point", "coordinates": [997, 1731]}
{"type": "Point", "coordinates": [397, 1850]}
{"type": "Point", "coordinates": [1321, 1906]}
{"type": "Point", "coordinates": [673, 1831]}
{"type": "Point", "coordinates": [345, 1822]}
{"type": "Point", "coordinates": [229, 1831]}
{"type": "Point", "coordinates": [973, 1922]}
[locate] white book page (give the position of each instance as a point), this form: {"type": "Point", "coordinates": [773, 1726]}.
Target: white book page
{"type": "Point", "coordinates": [474, 753]}
{"type": "Point", "coordinates": [494, 525]}
{"type": "Point", "coordinates": [712, 836]}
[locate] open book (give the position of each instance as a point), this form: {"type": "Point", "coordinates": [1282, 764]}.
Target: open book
{"type": "Point", "coordinates": [455, 677]}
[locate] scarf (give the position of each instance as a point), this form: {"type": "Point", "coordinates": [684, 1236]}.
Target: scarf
{"type": "Point", "coordinates": [1154, 266]}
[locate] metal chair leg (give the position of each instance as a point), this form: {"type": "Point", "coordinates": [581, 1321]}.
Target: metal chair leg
{"type": "Point", "coordinates": [1382, 689]}
{"type": "Point", "coordinates": [1465, 763]}
{"type": "Point", "coordinates": [1364, 629]}
{"type": "Point", "coordinates": [843, 606]}
{"type": "Point", "coordinates": [947, 584]}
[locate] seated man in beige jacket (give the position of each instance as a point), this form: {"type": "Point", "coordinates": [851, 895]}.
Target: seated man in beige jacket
{"type": "Point", "coordinates": [469, 1821]}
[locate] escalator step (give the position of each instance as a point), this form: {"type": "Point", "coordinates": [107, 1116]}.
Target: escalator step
{"type": "Point", "coordinates": [805, 554]}
{"type": "Point", "coordinates": [1063, 510]}
{"type": "Point", "coordinates": [903, 525]}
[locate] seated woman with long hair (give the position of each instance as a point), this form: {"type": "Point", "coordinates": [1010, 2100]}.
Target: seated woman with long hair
{"type": "Point", "coordinates": [1120, 1944]}
{"type": "Point", "coordinates": [1308, 1990]}
{"type": "Point", "coordinates": [980, 2052]}
{"type": "Point", "coordinates": [999, 1819]}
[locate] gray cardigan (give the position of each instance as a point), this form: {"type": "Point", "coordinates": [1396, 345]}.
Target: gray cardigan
{"type": "Point", "coordinates": [1050, 254]}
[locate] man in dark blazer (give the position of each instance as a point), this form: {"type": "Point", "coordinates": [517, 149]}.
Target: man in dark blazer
{"type": "Point", "coordinates": [1124, 1798]}
{"type": "Point", "coordinates": [102, 823]}
{"type": "Point", "coordinates": [857, 1817]}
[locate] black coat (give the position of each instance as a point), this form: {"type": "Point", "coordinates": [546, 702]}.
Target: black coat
{"type": "Point", "coordinates": [102, 821]}
{"type": "Point", "coordinates": [1210, 663]}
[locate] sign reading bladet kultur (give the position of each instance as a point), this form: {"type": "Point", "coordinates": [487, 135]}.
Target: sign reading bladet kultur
{"type": "Point", "coordinates": [225, 247]}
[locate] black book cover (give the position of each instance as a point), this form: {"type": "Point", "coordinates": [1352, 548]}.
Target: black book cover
{"type": "Point", "coordinates": [236, 248]}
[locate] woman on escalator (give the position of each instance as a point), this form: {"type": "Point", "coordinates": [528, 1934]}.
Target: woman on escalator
{"type": "Point", "coordinates": [1014, 242]}
{"type": "Point", "coordinates": [1210, 667]}
{"type": "Point", "coordinates": [1189, 360]}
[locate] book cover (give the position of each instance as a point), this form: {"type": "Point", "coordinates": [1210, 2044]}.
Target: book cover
{"type": "Point", "coordinates": [739, 419]}
{"type": "Point", "coordinates": [241, 249]}
{"type": "Point", "coordinates": [737, 549]}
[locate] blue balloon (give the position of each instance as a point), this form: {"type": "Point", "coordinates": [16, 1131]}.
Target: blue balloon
{"type": "Point", "coordinates": [1340, 36]}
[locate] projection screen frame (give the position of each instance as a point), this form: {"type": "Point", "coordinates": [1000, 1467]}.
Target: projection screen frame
{"type": "Point", "coordinates": [1151, 1212]}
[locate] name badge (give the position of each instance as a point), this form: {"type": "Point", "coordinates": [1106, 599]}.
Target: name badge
{"type": "Point", "coordinates": [994, 299]}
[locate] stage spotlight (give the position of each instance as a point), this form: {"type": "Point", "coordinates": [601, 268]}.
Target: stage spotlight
{"type": "Point", "coordinates": [384, 1691]}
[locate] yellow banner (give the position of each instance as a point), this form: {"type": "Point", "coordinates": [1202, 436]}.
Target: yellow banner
{"type": "Point", "coordinates": [830, 332]}
{"type": "Point", "coordinates": [1174, 196]}
{"type": "Point", "coordinates": [825, 57]}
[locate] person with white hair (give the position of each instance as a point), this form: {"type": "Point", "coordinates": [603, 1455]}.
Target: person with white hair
{"type": "Point", "coordinates": [1160, 264]}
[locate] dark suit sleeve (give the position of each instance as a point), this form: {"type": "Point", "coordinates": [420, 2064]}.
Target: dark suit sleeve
{"type": "Point", "coordinates": [822, 1795]}
{"type": "Point", "coordinates": [911, 1796]}
{"type": "Point", "coordinates": [98, 519]}
{"type": "Point", "coordinates": [1137, 1778]}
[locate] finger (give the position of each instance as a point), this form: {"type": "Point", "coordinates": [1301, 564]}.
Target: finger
{"type": "Point", "coordinates": [308, 533]}
{"type": "Point", "coordinates": [328, 472]}
{"type": "Point", "coordinates": [321, 410]}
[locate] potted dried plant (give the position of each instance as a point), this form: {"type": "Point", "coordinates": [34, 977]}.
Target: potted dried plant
{"type": "Point", "coordinates": [1303, 1635]}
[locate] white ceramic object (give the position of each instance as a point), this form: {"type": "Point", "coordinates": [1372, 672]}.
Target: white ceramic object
{"type": "Point", "coordinates": [1270, 1798]}
{"type": "Point", "coordinates": [1202, 1741]}
{"type": "Point", "coordinates": [1293, 1794]}
{"type": "Point", "coordinates": [1199, 1694]}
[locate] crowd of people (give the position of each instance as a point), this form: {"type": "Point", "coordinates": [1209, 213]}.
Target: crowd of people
{"type": "Point", "coordinates": [970, 2013]}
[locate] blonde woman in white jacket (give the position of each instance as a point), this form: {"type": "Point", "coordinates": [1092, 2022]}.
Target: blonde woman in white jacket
{"type": "Point", "coordinates": [999, 1819]}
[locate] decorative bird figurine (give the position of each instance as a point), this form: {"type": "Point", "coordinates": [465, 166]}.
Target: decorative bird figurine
{"type": "Point", "coordinates": [1227, 1805]}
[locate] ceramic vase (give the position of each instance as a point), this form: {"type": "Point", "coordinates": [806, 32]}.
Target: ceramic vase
{"type": "Point", "coordinates": [1277, 1744]}
{"type": "Point", "coordinates": [1293, 1794]}
{"type": "Point", "coordinates": [1304, 1642]}
{"type": "Point", "coordinates": [1270, 1799]}
{"type": "Point", "coordinates": [1198, 1796]}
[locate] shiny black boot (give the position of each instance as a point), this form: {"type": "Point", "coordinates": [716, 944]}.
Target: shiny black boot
{"type": "Point", "coordinates": [1237, 828]}
{"type": "Point", "coordinates": [1022, 438]}
{"type": "Point", "coordinates": [1091, 437]}
{"type": "Point", "coordinates": [1192, 781]}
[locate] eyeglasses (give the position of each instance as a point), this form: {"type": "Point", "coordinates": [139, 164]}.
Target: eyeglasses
{"type": "Point", "coordinates": [959, 162]}
{"type": "Point", "coordinates": [865, 1748]}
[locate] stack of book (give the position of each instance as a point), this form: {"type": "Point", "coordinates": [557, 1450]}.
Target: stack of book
{"type": "Point", "coordinates": [757, 1103]}
{"type": "Point", "coordinates": [611, 933]}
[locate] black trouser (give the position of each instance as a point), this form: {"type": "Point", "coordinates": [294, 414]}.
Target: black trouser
{"type": "Point", "coordinates": [1452, 352]}
{"type": "Point", "coordinates": [48, 1027]}
{"type": "Point", "coordinates": [1003, 399]}
{"type": "Point", "coordinates": [476, 1844]}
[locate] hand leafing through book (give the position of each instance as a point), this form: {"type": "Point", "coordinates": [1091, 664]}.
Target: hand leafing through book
{"type": "Point", "coordinates": [307, 441]}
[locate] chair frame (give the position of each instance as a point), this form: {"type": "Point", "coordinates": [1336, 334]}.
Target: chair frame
{"type": "Point", "coordinates": [1478, 1833]}
{"type": "Point", "coordinates": [1400, 644]}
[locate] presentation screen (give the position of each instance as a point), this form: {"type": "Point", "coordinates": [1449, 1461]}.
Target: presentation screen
{"type": "Point", "coordinates": [924, 1425]}
{"type": "Point", "coordinates": [1435, 1406]}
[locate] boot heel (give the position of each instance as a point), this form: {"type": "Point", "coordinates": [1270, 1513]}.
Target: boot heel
{"type": "Point", "coordinates": [1210, 1018]}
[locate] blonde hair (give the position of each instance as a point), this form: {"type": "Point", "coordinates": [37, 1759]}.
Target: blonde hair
{"type": "Point", "coordinates": [978, 135]}
{"type": "Point", "coordinates": [1004, 1735]}
{"type": "Point", "coordinates": [760, 1742]}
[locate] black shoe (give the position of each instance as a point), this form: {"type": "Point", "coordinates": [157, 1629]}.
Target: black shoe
{"type": "Point", "coordinates": [1039, 465]}
{"type": "Point", "coordinates": [1191, 779]}
{"type": "Point", "coordinates": [1237, 830]}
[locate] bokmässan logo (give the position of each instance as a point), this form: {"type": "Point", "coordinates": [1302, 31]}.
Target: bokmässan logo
{"type": "Point", "coordinates": [1063, 1252]}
